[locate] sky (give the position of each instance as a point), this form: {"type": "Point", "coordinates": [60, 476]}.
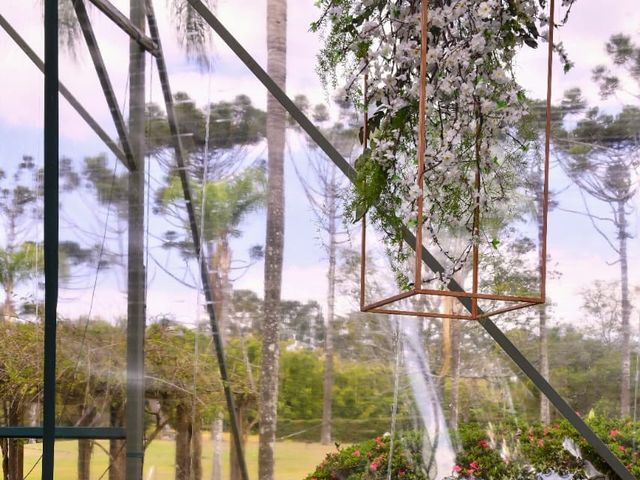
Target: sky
{"type": "Point", "coordinates": [576, 250]}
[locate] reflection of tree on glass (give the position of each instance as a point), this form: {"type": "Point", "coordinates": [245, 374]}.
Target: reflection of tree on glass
{"type": "Point", "coordinates": [600, 155]}
{"type": "Point", "coordinates": [226, 189]}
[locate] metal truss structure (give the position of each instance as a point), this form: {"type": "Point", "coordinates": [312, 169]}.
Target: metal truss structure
{"type": "Point", "coordinates": [132, 158]}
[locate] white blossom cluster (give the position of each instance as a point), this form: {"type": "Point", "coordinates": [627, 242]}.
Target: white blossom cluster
{"type": "Point", "coordinates": [474, 106]}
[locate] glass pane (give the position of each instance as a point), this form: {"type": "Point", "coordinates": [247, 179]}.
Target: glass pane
{"type": "Point", "coordinates": [428, 397]}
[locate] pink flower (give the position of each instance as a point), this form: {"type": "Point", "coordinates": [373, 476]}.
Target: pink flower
{"type": "Point", "coordinates": [621, 448]}
{"type": "Point", "coordinates": [374, 465]}
{"type": "Point", "coordinates": [356, 453]}
{"type": "Point", "coordinates": [484, 443]}
{"type": "Point", "coordinates": [379, 441]}
{"type": "Point", "coordinates": [614, 432]}
{"type": "Point", "coordinates": [474, 465]}
{"type": "Point", "coordinates": [457, 468]}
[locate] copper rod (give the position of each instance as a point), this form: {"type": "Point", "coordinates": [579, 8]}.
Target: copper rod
{"type": "Point", "coordinates": [454, 316]}
{"type": "Point", "coordinates": [481, 296]}
{"type": "Point", "coordinates": [411, 313]}
{"type": "Point", "coordinates": [508, 309]}
{"type": "Point", "coordinates": [422, 137]}
{"type": "Point", "coordinates": [363, 245]}
{"type": "Point", "coordinates": [388, 300]}
{"type": "Point", "coordinates": [476, 227]}
{"type": "Point", "coordinates": [547, 154]}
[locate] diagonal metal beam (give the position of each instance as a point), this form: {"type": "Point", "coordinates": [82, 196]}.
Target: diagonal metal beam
{"type": "Point", "coordinates": [117, 17]}
{"type": "Point", "coordinates": [181, 161]}
{"type": "Point", "coordinates": [491, 328]}
{"type": "Point", "coordinates": [64, 91]}
{"type": "Point", "coordinates": [105, 82]}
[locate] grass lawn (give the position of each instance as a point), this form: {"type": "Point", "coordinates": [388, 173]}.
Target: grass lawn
{"type": "Point", "coordinates": [294, 460]}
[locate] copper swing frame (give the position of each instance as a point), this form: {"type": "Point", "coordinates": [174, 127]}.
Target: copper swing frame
{"type": "Point", "coordinates": [388, 305]}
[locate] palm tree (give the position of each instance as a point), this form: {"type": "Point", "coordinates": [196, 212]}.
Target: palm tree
{"type": "Point", "coordinates": [274, 246]}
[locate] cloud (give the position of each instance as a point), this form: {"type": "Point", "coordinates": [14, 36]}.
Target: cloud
{"type": "Point", "coordinates": [23, 107]}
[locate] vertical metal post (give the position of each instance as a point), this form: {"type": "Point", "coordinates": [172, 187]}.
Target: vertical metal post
{"type": "Point", "coordinates": [136, 305]}
{"type": "Point", "coordinates": [50, 232]}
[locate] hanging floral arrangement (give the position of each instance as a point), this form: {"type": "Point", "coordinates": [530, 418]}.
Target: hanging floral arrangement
{"type": "Point", "coordinates": [473, 151]}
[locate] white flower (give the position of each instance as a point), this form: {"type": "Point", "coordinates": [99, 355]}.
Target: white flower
{"type": "Point", "coordinates": [370, 26]}
{"type": "Point", "coordinates": [448, 157]}
{"type": "Point", "coordinates": [499, 76]}
{"type": "Point", "coordinates": [478, 43]}
{"type": "Point", "coordinates": [487, 106]}
{"type": "Point", "coordinates": [484, 10]}
{"type": "Point", "coordinates": [445, 86]}
{"type": "Point", "coordinates": [432, 56]}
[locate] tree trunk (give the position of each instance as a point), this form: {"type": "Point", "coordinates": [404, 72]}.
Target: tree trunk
{"type": "Point", "coordinates": [545, 412]}
{"type": "Point", "coordinates": [196, 450]}
{"type": "Point", "coordinates": [216, 437]}
{"type": "Point", "coordinates": [625, 386]}
{"type": "Point", "coordinates": [15, 448]}
{"type": "Point", "coordinates": [183, 442]}
{"type": "Point", "coordinates": [85, 446]}
{"type": "Point", "coordinates": [8, 310]}
{"type": "Point", "coordinates": [220, 265]}
{"type": "Point", "coordinates": [4, 445]}
{"type": "Point", "coordinates": [446, 339]}
{"type": "Point", "coordinates": [117, 456]}
{"type": "Point", "coordinates": [327, 381]}
{"type": "Point", "coordinates": [276, 129]}
{"type": "Point", "coordinates": [455, 375]}
{"type": "Point", "coordinates": [84, 459]}
{"type": "Point", "coordinates": [220, 262]}
{"type": "Point", "coordinates": [241, 412]}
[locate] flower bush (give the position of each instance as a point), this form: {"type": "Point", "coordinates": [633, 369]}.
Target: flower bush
{"type": "Point", "coordinates": [473, 105]}
{"type": "Point", "coordinates": [370, 460]}
{"type": "Point", "coordinates": [501, 452]}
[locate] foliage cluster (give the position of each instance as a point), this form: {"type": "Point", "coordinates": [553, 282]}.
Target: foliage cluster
{"type": "Point", "coordinates": [473, 103]}
{"type": "Point", "coordinates": [502, 452]}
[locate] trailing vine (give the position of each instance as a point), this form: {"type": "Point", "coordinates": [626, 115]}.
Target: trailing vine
{"type": "Point", "coordinates": [474, 105]}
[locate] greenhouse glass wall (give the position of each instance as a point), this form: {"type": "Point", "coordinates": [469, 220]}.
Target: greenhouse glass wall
{"type": "Point", "coordinates": [184, 187]}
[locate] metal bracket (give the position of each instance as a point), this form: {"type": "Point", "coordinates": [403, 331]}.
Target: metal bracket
{"type": "Point", "coordinates": [105, 82]}
{"type": "Point", "coordinates": [125, 24]}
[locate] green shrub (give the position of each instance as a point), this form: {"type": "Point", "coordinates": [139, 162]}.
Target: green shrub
{"type": "Point", "coordinates": [501, 452]}
{"type": "Point", "coordinates": [369, 460]}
